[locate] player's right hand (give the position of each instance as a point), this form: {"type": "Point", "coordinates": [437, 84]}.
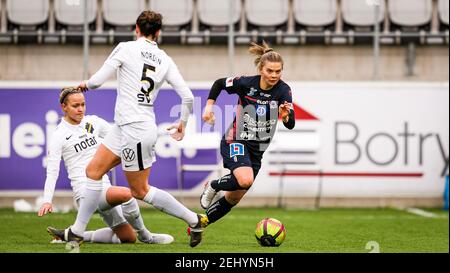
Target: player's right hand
{"type": "Point", "coordinates": [208, 116]}
{"type": "Point", "coordinates": [177, 131]}
{"type": "Point", "coordinates": [82, 87]}
{"type": "Point", "coordinates": [45, 208]}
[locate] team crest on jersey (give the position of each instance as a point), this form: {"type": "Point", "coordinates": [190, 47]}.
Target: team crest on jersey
{"type": "Point", "coordinates": [89, 128]}
{"type": "Point", "coordinates": [252, 92]}
{"type": "Point", "coordinates": [236, 149]}
{"type": "Point", "coordinates": [261, 110]}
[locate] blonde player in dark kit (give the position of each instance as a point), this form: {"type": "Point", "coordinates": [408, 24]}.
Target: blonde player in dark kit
{"type": "Point", "coordinates": [262, 100]}
{"type": "Point", "coordinates": [142, 68]}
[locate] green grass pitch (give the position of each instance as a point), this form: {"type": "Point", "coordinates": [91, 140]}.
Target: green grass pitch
{"type": "Point", "coordinates": [311, 231]}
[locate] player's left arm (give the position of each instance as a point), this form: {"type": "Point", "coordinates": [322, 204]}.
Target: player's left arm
{"type": "Point", "coordinates": [175, 79]}
{"type": "Point", "coordinates": [99, 78]}
{"type": "Point", "coordinates": [114, 61]}
{"type": "Point", "coordinates": [52, 172]}
{"type": "Point", "coordinates": [286, 110]}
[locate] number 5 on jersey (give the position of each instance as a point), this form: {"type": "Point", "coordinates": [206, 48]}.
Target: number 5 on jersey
{"type": "Point", "coordinates": [147, 84]}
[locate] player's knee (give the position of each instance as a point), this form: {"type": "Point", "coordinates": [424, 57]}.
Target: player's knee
{"type": "Point", "coordinates": [139, 193]}
{"type": "Point", "coordinates": [125, 195]}
{"type": "Point", "coordinates": [128, 238]}
{"type": "Point", "coordinates": [246, 181]}
{"type": "Point", "coordinates": [93, 173]}
{"type": "Point", "coordinates": [233, 199]}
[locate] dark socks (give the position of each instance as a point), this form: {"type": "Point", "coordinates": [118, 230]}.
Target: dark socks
{"type": "Point", "coordinates": [218, 210]}
{"type": "Point", "coordinates": [226, 183]}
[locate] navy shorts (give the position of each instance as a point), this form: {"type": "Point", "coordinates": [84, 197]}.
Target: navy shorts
{"type": "Point", "coordinates": [240, 154]}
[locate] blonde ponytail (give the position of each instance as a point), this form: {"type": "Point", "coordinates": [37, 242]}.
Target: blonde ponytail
{"type": "Point", "coordinates": [264, 54]}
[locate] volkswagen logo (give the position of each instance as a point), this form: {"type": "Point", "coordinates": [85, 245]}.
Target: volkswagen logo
{"type": "Point", "coordinates": [128, 155]}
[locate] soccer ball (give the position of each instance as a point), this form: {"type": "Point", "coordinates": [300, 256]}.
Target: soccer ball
{"type": "Point", "coordinates": [270, 232]}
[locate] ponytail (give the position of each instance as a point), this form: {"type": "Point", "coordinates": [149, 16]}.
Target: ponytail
{"type": "Point", "coordinates": [264, 54]}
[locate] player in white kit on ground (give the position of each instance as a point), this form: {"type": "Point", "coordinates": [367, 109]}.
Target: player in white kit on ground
{"type": "Point", "coordinates": [142, 68]}
{"type": "Point", "coordinates": [75, 140]}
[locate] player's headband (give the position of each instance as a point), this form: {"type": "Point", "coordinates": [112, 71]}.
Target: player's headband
{"type": "Point", "coordinates": [66, 92]}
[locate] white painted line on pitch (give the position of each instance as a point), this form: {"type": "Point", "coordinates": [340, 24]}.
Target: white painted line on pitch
{"type": "Point", "coordinates": [421, 213]}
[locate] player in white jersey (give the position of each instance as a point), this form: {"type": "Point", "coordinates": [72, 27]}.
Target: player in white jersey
{"type": "Point", "coordinates": [142, 68]}
{"type": "Point", "coordinates": [75, 140]}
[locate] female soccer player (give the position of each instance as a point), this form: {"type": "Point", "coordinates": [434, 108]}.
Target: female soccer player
{"type": "Point", "coordinates": [262, 100]}
{"type": "Point", "coordinates": [75, 140]}
{"type": "Point", "coordinates": [142, 68]}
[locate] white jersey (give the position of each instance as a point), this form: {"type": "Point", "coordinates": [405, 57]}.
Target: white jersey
{"type": "Point", "coordinates": [142, 68]}
{"type": "Point", "coordinates": [76, 145]}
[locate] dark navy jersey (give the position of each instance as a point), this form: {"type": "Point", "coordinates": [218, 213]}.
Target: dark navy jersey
{"type": "Point", "coordinates": [257, 111]}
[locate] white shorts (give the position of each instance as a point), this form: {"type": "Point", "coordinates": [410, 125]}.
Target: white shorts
{"type": "Point", "coordinates": [112, 217]}
{"type": "Point", "coordinates": [134, 143]}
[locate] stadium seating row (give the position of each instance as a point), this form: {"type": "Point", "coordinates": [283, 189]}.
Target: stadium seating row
{"type": "Point", "coordinates": [212, 16]}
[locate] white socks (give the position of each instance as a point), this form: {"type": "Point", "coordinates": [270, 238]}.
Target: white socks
{"type": "Point", "coordinates": [103, 204]}
{"type": "Point", "coordinates": [88, 205]}
{"type": "Point", "coordinates": [132, 214]}
{"type": "Point", "coordinates": [103, 235]}
{"type": "Point", "coordinates": [168, 204]}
